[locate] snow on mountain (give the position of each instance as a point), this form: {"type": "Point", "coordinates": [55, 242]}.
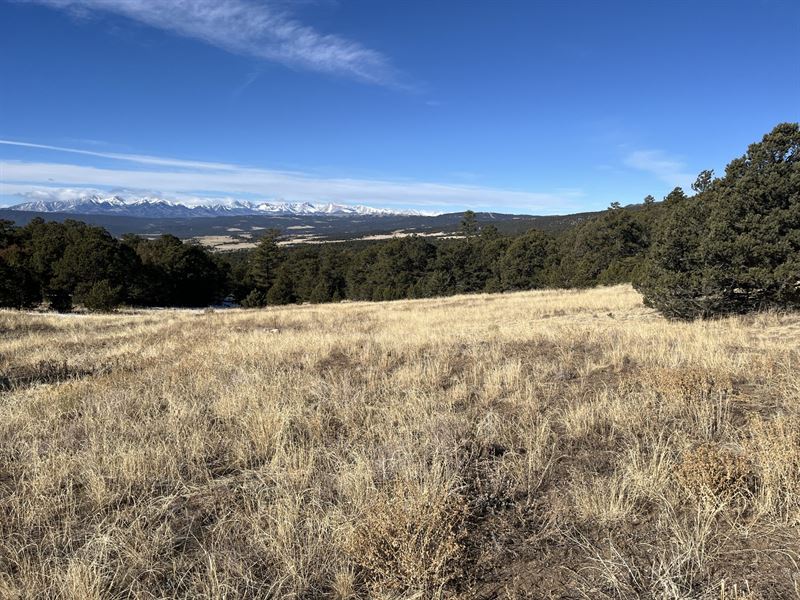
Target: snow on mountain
{"type": "Point", "coordinates": [153, 207]}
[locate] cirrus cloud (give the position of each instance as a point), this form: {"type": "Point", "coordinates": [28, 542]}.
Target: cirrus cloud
{"type": "Point", "coordinates": [668, 169]}
{"type": "Point", "coordinates": [262, 30]}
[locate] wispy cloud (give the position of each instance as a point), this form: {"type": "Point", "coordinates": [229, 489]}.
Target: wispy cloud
{"type": "Point", "coordinates": [184, 178]}
{"type": "Point", "coordinates": [668, 169]}
{"type": "Point", "coordinates": [135, 158]}
{"type": "Point", "coordinates": [262, 29]}
{"type": "Point", "coordinates": [248, 81]}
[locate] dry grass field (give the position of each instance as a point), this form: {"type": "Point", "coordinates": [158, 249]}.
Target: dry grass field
{"type": "Point", "coordinates": [531, 445]}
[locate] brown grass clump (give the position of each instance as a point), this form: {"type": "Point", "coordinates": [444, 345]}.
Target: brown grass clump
{"type": "Point", "coordinates": [409, 539]}
{"type": "Point", "coordinates": [717, 472]}
{"type": "Point", "coordinates": [550, 444]}
{"type": "Point", "coordinates": [775, 447]}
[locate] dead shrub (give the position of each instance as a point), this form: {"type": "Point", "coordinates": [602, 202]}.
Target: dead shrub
{"type": "Point", "coordinates": [689, 383]}
{"type": "Point", "coordinates": [699, 399]}
{"type": "Point", "coordinates": [712, 471]}
{"type": "Point", "coordinates": [409, 539]}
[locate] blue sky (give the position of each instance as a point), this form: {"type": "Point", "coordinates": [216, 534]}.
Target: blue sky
{"type": "Point", "coordinates": [507, 105]}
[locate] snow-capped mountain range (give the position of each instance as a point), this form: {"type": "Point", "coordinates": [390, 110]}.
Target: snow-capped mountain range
{"type": "Point", "coordinates": [152, 207]}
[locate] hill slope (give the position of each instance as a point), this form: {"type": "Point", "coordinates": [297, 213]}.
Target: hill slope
{"type": "Point", "coordinates": [540, 444]}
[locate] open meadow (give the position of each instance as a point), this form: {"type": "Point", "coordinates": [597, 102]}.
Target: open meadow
{"type": "Point", "coordinates": [551, 444]}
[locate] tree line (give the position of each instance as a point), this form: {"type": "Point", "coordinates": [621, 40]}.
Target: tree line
{"type": "Point", "coordinates": [70, 263]}
{"type": "Point", "coordinates": [733, 246]}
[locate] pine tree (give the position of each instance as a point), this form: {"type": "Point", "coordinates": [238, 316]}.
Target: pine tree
{"type": "Point", "coordinates": [735, 246]}
{"type": "Point", "coordinates": [282, 290]}
{"type": "Point", "coordinates": [524, 262]}
{"type": "Point", "coordinates": [469, 224]}
{"type": "Point", "coordinates": [264, 261]}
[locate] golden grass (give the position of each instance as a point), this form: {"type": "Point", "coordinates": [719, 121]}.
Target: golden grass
{"type": "Point", "coordinates": [540, 444]}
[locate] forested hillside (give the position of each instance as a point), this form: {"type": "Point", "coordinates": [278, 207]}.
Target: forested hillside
{"type": "Point", "coordinates": [323, 227]}
{"type": "Point", "coordinates": [74, 263]}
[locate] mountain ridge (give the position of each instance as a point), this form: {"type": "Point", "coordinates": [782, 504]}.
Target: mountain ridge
{"type": "Point", "coordinates": [153, 207]}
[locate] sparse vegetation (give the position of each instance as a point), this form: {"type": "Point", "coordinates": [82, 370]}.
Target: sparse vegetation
{"type": "Point", "coordinates": [550, 444]}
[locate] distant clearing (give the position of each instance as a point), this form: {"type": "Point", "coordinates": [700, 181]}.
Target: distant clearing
{"type": "Point", "coordinates": [227, 243]}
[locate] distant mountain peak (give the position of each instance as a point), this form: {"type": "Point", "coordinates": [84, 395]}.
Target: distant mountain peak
{"type": "Point", "coordinates": [154, 207]}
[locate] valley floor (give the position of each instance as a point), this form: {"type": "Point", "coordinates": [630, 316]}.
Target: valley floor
{"type": "Point", "coordinates": [556, 444]}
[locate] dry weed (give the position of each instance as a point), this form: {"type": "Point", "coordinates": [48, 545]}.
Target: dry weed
{"type": "Point", "coordinates": [409, 538]}
{"type": "Point", "coordinates": [716, 472]}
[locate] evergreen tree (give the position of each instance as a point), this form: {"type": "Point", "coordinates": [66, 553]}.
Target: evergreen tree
{"type": "Point", "coordinates": [735, 246]}
{"type": "Point", "coordinates": [265, 260]}
{"type": "Point", "coordinates": [524, 263]}
{"type": "Point", "coordinates": [102, 296]}
{"type": "Point", "coordinates": [91, 267]}
{"type": "Point", "coordinates": [282, 290]}
{"type": "Point", "coordinates": [18, 285]}
{"type": "Point", "coordinates": [469, 224]}
{"type": "Point", "coordinates": [180, 274]}
{"type": "Point", "coordinates": [255, 299]}
{"type": "Point", "coordinates": [703, 182]}
{"type": "Point", "coordinates": [606, 249]}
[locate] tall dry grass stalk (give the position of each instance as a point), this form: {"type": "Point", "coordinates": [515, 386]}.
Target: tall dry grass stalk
{"type": "Point", "coordinates": [542, 444]}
